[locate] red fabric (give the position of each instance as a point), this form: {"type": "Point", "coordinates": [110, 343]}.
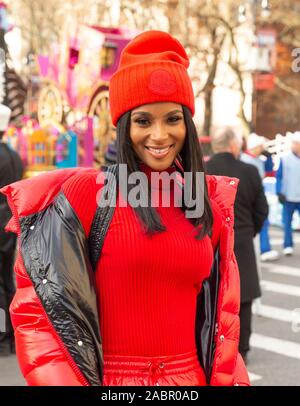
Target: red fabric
{"type": "Point", "coordinates": [177, 370]}
{"type": "Point", "coordinates": [153, 68]}
{"type": "Point", "coordinates": [147, 288]}
{"type": "Point", "coordinates": [32, 326]}
{"type": "Point", "coordinates": [228, 366]}
{"type": "Point", "coordinates": [41, 354]}
{"type": "Point", "coordinates": [29, 196]}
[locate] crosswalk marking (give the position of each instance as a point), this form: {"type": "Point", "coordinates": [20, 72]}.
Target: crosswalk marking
{"type": "Point", "coordinates": [275, 313]}
{"type": "Point", "coordinates": [276, 345]}
{"type": "Point", "coordinates": [282, 269]}
{"type": "Point", "coordinates": [254, 377]}
{"type": "Point", "coordinates": [282, 288]}
{"type": "Point", "coordinates": [291, 317]}
{"type": "Point", "coordinates": [279, 241]}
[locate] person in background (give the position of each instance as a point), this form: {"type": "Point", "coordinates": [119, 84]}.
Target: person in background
{"type": "Point", "coordinates": [256, 155]}
{"type": "Point", "coordinates": [11, 170]}
{"type": "Point", "coordinates": [288, 190]}
{"type": "Point", "coordinates": [250, 211]}
{"type": "Point", "coordinates": [110, 156]}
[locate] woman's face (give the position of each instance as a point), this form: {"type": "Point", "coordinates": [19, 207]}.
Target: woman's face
{"type": "Point", "coordinates": [157, 132]}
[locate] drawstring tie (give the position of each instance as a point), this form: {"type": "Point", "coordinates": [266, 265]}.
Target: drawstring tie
{"type": "Point", "coordinates": [154, 368]}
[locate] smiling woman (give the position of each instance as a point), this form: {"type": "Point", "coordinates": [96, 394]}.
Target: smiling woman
{"type": "Point", "coordinates": [162, 137]}
{"type": "Point", "coordinates": [157, 132]}
{"type": "Point", "coordinates": [162, 306]}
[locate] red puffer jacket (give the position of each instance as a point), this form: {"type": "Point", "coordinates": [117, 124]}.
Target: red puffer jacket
{"type": "Point", "coordinates": [55, 309]}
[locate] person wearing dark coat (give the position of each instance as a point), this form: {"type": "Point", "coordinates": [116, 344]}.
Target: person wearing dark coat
{"type": "Point", "coordinates": [11, 170]}
{"type": "Point", "coordinates": [251, 210]}
{"type": "Point", "coordinates": [111, 153]}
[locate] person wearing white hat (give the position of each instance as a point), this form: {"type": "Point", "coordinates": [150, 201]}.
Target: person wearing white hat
{"type": "Point", "coordinates": [255, 147]}
{"type": "Point", "coordinates": [5, 113]}
{"type": "Point", "coordinates": [11, 170]}
{"type": "Point", "coordinates": [256, 155]}
{"type": "Point", "coordinates": [296, 140]}
{"type": "Point", "coordinates": [288, 189]}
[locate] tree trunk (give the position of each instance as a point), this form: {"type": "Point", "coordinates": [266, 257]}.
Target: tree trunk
{"type": "Point", "coordinates": [208, 94]}
{"type": "Point", "coordinates": [208, 97]}
{"type": "Point", "coordinates": [173, 16]}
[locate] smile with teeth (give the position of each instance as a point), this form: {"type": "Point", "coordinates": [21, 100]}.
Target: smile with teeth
{"type": "Point", "coordinates": [159, 150]}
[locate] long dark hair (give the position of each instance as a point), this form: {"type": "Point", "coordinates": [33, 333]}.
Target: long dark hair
{"type": "Point", "coordinates": [191, 160]}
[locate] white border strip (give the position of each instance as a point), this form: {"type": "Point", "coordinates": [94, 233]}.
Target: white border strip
{"type": "Point", "coordinates": [281, 269]}
{"type": "Point", "coordinates": [276, 345]}
{"type": "Point", "coordinates": [274, 313]}
{"type": "Point", "coordinates": [282, 288]}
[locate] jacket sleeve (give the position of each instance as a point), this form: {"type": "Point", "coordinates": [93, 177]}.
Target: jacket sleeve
{"type": "Point", "coordinates": [240, 375]}
{"type": "Point", "coordinates": [41, 355]}
{"type": "Point", "coordinates": [260, 205]}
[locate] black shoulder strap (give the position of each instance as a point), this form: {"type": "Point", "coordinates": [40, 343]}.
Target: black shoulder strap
{"type": "Point", "coordinates": [101, 221]}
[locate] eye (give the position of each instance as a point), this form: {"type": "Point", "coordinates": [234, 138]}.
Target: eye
{"type": "Point", "coordinates": [142, 121]}
{"type": "Point", "coordinates": [174, 119]}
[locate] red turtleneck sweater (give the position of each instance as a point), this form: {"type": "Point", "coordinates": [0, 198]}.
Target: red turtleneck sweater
{"type": "Point", "coordinates": [147, 285]}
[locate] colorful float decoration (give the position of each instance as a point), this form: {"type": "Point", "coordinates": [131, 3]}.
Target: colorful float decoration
{"type": "Point", "coordinates": [75, 92]}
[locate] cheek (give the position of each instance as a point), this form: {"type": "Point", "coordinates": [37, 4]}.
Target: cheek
{"type": "Point", "coordinates": [136, 137]}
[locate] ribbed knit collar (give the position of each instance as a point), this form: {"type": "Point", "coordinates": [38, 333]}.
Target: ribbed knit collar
{"type": "Point", "coordinates": [148, 171]}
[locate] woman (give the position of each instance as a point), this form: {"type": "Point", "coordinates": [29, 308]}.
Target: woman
{"type": "Point", "coordinates": [159, 309]}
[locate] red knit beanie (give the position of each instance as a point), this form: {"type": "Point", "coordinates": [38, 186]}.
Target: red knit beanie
{"type": "Point", "coordinates": [153, 68]}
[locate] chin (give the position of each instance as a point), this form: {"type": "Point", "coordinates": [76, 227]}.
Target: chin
{"type": "Point", "coordinates": [160, 166]}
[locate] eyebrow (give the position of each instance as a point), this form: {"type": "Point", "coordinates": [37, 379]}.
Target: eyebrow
{"type": "Point", "coordinates": [149, 114]}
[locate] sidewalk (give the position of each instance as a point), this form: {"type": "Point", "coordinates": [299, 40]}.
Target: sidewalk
{"type": "Point", "coordinates": [10, 374]}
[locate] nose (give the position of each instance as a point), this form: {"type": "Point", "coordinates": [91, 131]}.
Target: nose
{"type": "Point", "coordinates": [159, 134]}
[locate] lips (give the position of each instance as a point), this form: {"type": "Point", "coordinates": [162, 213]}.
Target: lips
{"type": "Point", "coordinates": [159, 152]}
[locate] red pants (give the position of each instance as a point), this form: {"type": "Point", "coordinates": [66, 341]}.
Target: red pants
{"type": "Point", "coordinates": [174, 370]}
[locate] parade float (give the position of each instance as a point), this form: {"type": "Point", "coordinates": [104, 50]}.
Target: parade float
{"type": "Point", "coordinates": [73, 103]}
{"type": "Point", "coordinates": [72, 126]}
{"type": "Point", "coordinates": [68, 124]}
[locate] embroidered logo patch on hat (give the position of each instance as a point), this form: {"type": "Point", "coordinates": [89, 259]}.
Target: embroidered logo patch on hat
{"type": "Point", "coordinates": [162, 83]}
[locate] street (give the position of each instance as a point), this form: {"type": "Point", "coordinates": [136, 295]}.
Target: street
{"type": "Point", "coordinates": [275, 356]}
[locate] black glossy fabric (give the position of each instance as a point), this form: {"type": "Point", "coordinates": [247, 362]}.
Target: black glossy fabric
{"type": "Point", "coordinates": [54, 250]}
{"type": "Point", "coordinates": [206, 318]}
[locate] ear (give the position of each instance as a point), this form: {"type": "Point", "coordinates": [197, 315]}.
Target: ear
{"type": "Point", "coordinates": [232, 145]}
